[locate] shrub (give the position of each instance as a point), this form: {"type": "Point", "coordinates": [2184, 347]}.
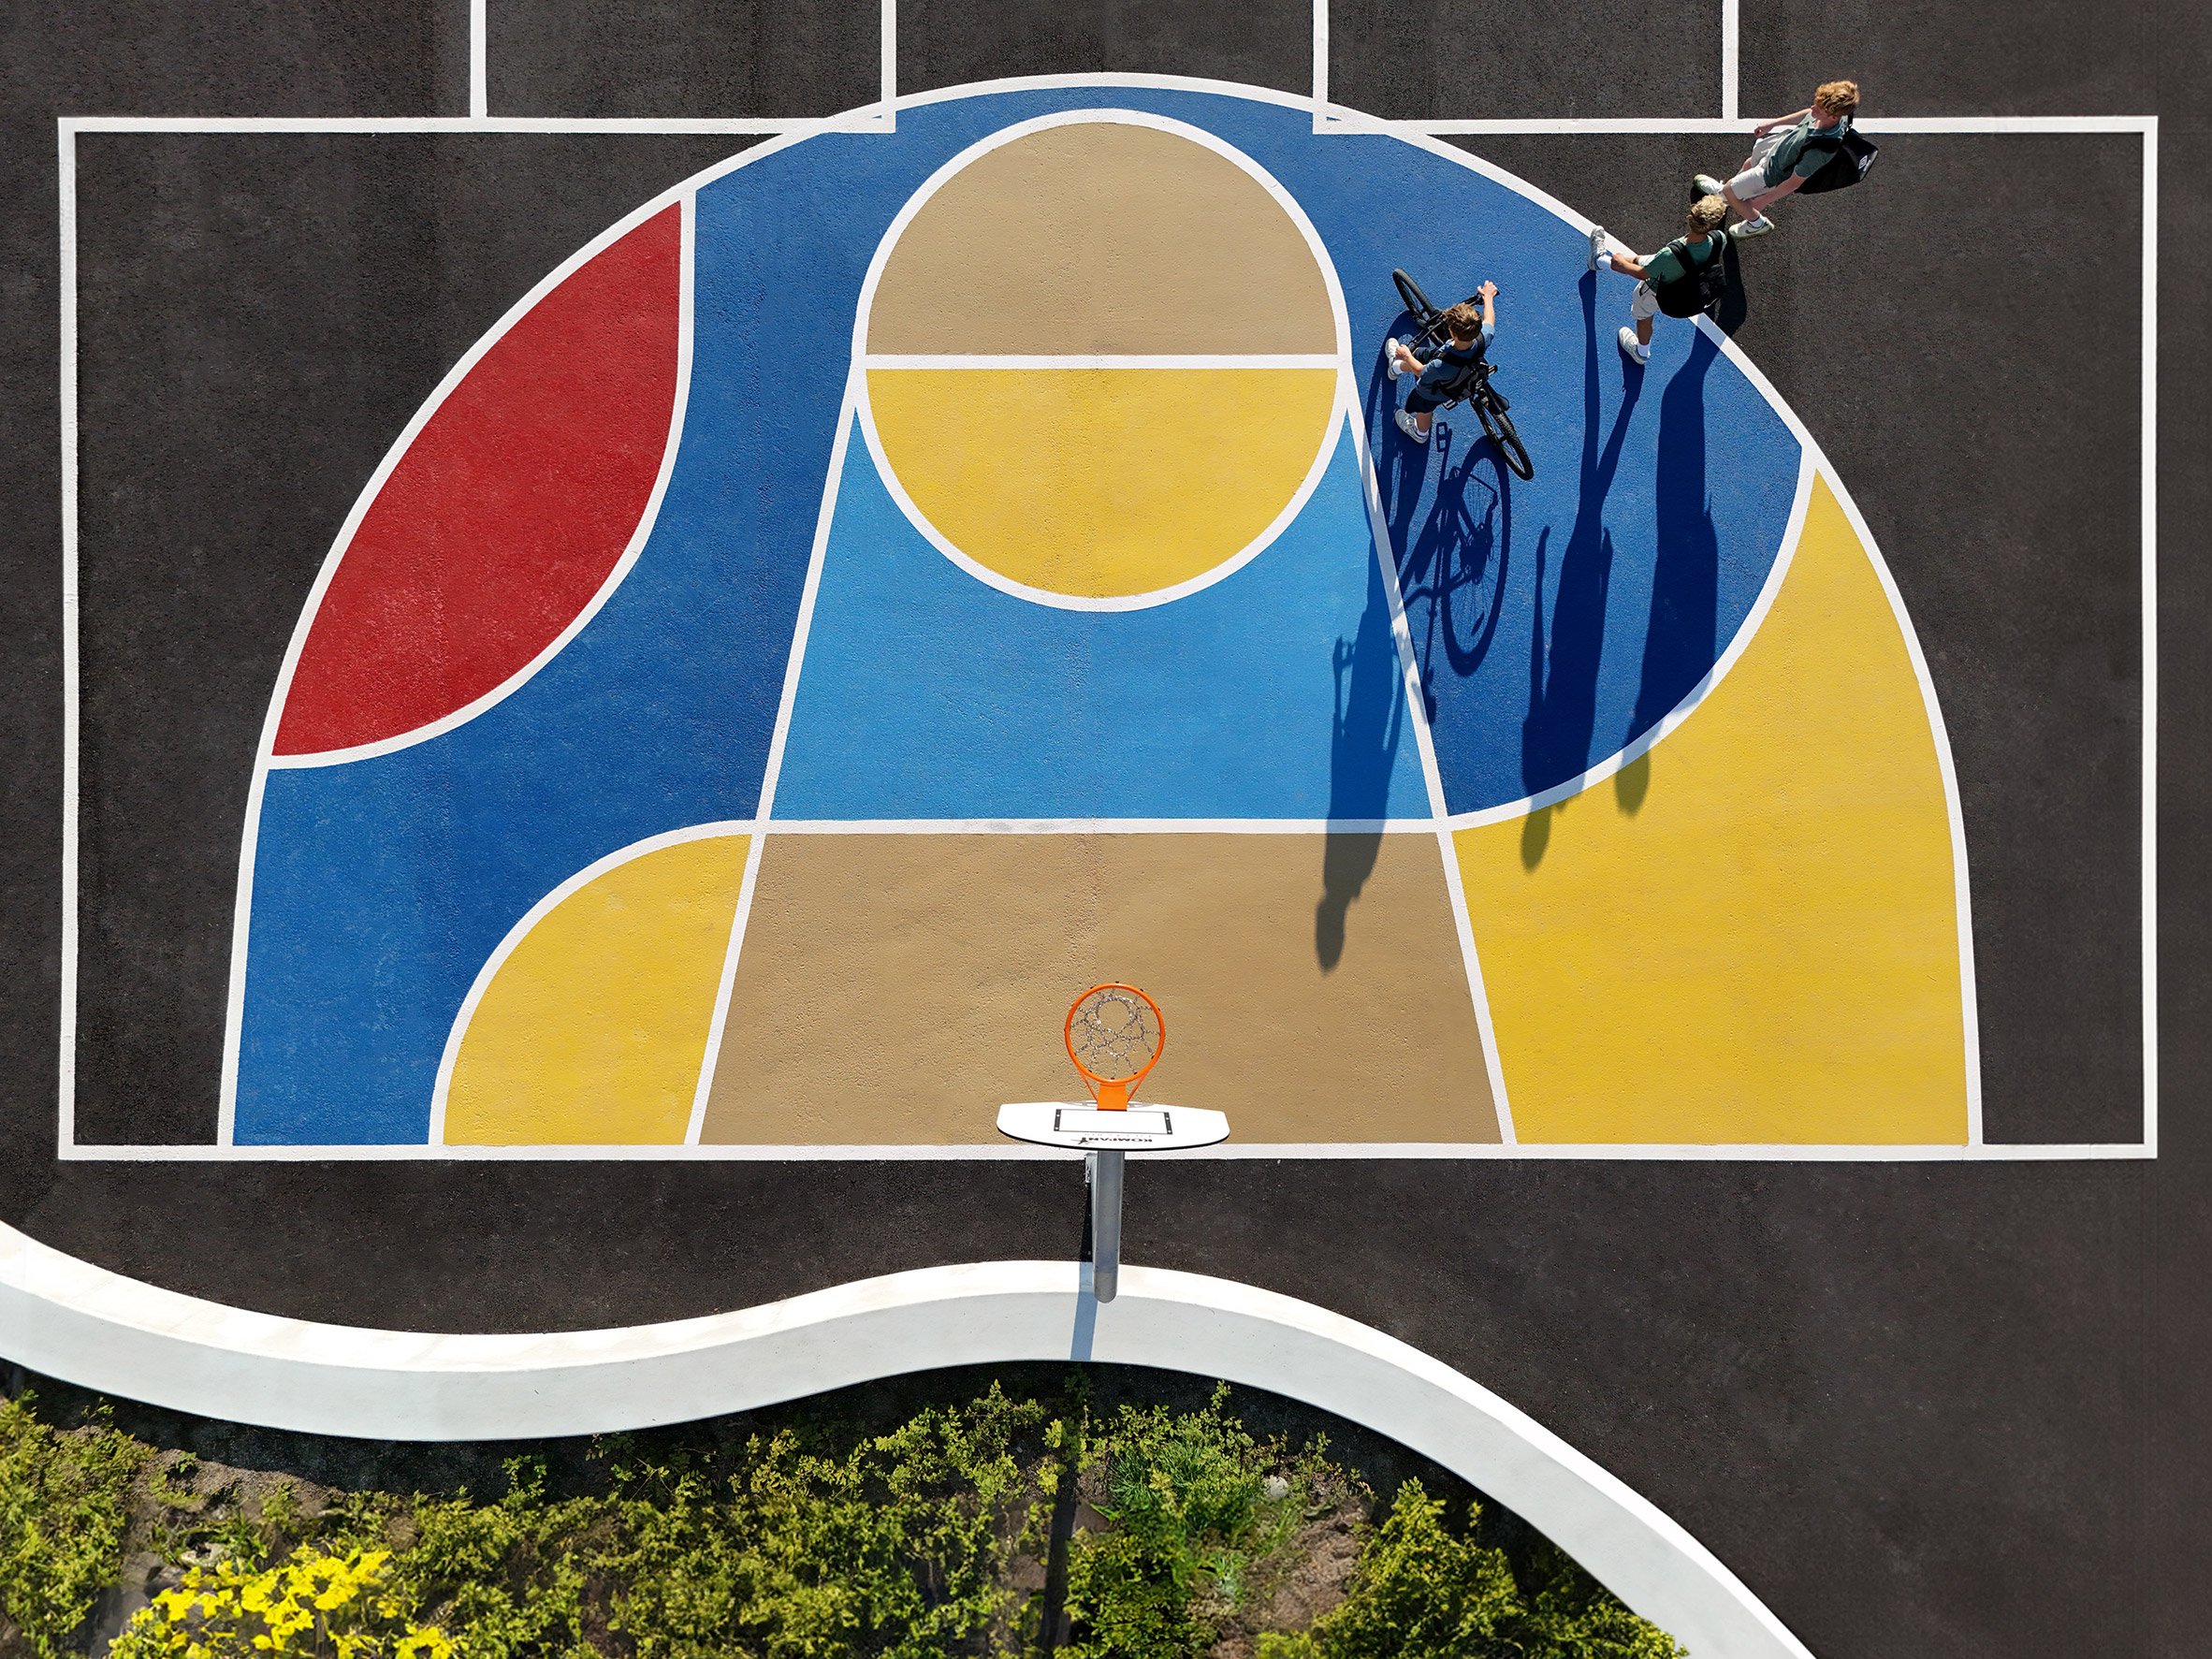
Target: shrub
{"type": "Point", "coordinates": [63, 1509]}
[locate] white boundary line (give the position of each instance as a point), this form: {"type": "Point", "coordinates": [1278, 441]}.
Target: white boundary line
{"type": "Point", "coordinates": [1324, 450]}
{"type": "Point", "coordinates": [479, 72]}
{"type": "Point", "coordinates": [1731, 55]}
{"type": "Point", "coordinates": [1341, 119]}
{"type": "Point", "coordinates": [1424, 136]}
{"type": "Point", "coordinates": [2149, 335]}
{"type": "Point", "coordinates": [1001, 1152]}
{"type": "Point", "coordinates": [113, 1335]}
{"type": "Point", "coordinates": [65, 1129]}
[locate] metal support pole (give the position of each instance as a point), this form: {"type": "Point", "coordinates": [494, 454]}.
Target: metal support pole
{"type": "Point", "coordinates": [1105, 1176]}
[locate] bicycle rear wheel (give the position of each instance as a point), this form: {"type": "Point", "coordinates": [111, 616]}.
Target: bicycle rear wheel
{"type": "Point", "coordinates": [1497, 425]}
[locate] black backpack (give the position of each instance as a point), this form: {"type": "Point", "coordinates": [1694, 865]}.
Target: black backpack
{"type": "Point", "coordinates": [1699, 288]}
{"type": "Point", "coordinates": [1854, 158]}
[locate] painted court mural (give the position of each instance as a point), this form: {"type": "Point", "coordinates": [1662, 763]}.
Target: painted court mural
{"type": "Point", "coordinates": [901, 578]}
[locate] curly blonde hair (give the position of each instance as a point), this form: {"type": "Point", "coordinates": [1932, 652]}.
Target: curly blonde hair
{"type": "Point", "coordinates": [1708, 213]}
{"type": "Point", "coordinates": [1838, 97]}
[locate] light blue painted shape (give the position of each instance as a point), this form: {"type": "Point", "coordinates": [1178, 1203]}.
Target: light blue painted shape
{"type": "Point", "coordinates": [1276, 693]}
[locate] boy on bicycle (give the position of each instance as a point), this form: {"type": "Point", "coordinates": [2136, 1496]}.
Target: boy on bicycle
{"type": "Point", "coordinates": [1471, 333]}
{"type": "Point", "coordinates": [1699, 243]}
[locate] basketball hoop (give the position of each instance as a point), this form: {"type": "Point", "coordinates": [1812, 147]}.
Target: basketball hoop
{"type": "Point", "coordinates": [1115, 1034]}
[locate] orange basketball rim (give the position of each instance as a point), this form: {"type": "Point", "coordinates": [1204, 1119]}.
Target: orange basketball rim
{"type": "Point", "coordinates": [1115, 1034]}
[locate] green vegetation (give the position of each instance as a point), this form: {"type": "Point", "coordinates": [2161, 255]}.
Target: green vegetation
{"type": "Point", "coordinates": [995, 1526]}
{"type": "Point", "coordinates": [62, 1520]}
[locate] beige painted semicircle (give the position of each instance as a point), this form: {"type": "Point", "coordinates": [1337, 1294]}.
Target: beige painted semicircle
{"type": "Point", "coordinates": [1100, 237]}
{"type": "Point", "coordinates": [1751, 936]}
{"type": "Point", "coordinates": [593, 1030]}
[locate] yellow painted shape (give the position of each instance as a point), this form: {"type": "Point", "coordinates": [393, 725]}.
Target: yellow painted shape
{"type": "Point", "coordinates": [593, 1030]}
{"type": "Point", "coordinates": [1764, 948]}
{"type": "Point", "coordinates": [1101, 482]}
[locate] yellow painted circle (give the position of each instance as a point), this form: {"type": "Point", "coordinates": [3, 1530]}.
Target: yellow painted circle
{"type": "Point", "coordinates": [1177, 375]}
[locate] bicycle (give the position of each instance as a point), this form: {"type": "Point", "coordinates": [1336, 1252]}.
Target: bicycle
{"type": "Point", "coordinates": [1471, 385]}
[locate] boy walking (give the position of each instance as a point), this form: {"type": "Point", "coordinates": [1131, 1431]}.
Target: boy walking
{"type": "Point", "coordinates": [1697, 247]}
{"type": "Point", "coordinates": [1788, 150]}
{"type": "Point", "coordinates": [1471, 334]}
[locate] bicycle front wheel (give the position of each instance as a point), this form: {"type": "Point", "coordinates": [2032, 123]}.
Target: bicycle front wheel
{"type": "Point", "coordinates": [1497, 425]}
{"type": "Point", "coordinates": [1416, 301]}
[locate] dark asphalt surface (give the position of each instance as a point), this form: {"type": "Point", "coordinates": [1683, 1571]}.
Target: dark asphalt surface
{"type": "Point", "coordinates": [1920, 1409]}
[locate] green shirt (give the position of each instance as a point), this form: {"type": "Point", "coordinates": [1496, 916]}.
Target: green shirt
{"type": "Point", "coordinates": [1804, 150]}
{"type": "Point", "coordinates": [1675, 261]}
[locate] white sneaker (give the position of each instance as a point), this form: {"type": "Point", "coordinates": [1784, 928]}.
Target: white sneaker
{"type": "Point", "coordinates": [1703, 185]}
{"type": "Point", "coordinates": [1391, 358]}
{"type": "Point", "coordinates": [1405, 424]}
{"type": "Point", "coordinates": [1748, 228]}
{"type": "Point", "coordinates": [1631, 348]}
{"type": "Point", "coordinates": [1597, 245]}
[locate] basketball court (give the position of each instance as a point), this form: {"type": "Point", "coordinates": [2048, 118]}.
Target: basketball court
{"type": "Point", "coordinates": [619, 629]}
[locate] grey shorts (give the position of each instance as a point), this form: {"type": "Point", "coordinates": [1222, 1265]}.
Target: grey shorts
{"type": "Point", "coordinates": [1752, 180]}
{"type": "Point", "coordinates": [1643, 304]}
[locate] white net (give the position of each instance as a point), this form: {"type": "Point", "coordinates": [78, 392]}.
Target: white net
{"type": "Point", "coordinates": [1113, 1034]}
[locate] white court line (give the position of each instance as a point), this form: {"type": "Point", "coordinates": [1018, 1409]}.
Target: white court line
{"type": "Point", "coordinates": [1731, 55]}
{"type": "Point", "coordinates": [1342, 121]}
{"type": "Point", "coordinates": [1320, 91]}
{"type": "Point", "coordinates": [479, 72]}
{"type": "Point", "coordinates": [1324, 449]}
{"type": "Point", "coordinates": [1101, 360]}
{"type": "Point", "coordinates": [887, 45]}
{"type": "Point", "coordinates": [71, 690]}
{"type": "Point", "coordinates": [1006, 1152]}
{"type": "Point", "coordinates": [2149, 335]}
{"type": "Point", "coordinates": [866, 119]}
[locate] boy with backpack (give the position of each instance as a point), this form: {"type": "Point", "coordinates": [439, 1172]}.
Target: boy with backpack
{"type": "Point", "coordinates": [1471, 332]}
{"type": "Point", "coordinates": [1681, 279]}
{"type": "Point", "coordinates": [1786, 154]}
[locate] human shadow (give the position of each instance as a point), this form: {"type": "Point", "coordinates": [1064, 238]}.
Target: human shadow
{"type": "Point", "coordinates": [1680, 637]}
{"type": "Point", "coordinates": [1734, 308]}
{"type": "Point", "coordinates": [1564, 650]}
{"type": "Point", "coordinates": [1401, 465]}
{"type": "Point", "coordinates": [1367, 725]}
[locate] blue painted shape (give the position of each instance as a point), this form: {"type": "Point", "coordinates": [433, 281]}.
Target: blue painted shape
{"type": "Point", "coordinates": [1555, 620]}
{"type": "Point", "coordinates": [1276, 692]}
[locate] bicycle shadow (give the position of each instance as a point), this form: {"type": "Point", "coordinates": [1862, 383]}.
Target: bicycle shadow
{"type": "Point", "coordinates": [1453, 577]}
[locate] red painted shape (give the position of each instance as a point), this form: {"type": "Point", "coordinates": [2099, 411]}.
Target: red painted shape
{"type": "Point", "coordinates": [508, 510]}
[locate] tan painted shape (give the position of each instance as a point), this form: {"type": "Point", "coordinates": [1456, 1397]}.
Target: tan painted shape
{"type": "Point", "coordinates": [1101, 238]}
{"type": "Point", "coordinates": [895, 989]}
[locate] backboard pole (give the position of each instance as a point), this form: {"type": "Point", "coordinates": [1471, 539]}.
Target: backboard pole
{"type": "Point", "coordinates": [1105, 1179]}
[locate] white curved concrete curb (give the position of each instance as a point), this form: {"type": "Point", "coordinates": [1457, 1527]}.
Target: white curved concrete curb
{"type": "Point", "coordinates": [97, 1328]}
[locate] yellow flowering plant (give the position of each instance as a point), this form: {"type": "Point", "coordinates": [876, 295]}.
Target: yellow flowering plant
{"type": "Point", "coordinates": [327, 1607]}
